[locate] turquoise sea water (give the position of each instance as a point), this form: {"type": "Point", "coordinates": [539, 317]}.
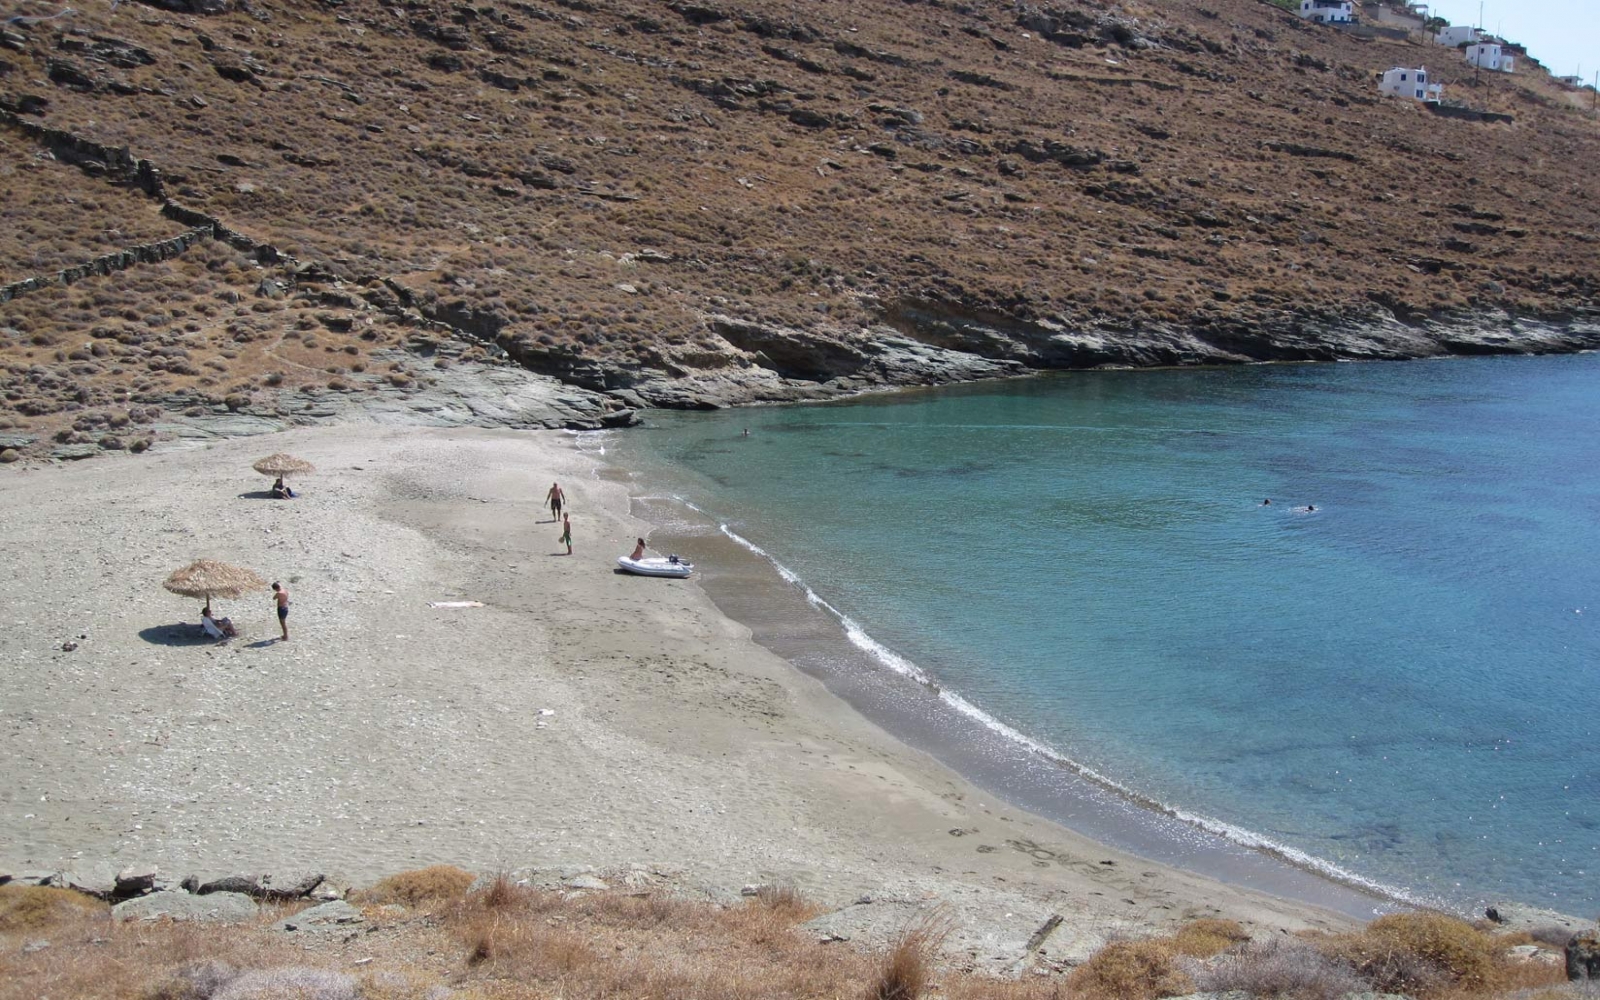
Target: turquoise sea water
{"type": "Point", "coordinates": [1403, 684]}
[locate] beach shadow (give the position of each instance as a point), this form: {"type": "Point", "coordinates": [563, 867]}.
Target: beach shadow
{"type": "Point", "coordinates": [177, 634]}
{"type": "Point", "coordinates": [263, 643]}
{"type": "Point", "coordinates": [257, 495]}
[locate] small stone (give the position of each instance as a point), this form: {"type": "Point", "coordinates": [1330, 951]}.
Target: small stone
{"type": "Point", "coordinates": [1532, 954]}
{"type": "Point", "coordinates": [328, 890]}
{"type": "Point", "coordinates": [333, 914]}
{"type": "Point", "coordinates": [10, 455]}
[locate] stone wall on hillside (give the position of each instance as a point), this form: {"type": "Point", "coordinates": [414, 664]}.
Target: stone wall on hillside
{"type": "Point", "coordinates": [142, 253]}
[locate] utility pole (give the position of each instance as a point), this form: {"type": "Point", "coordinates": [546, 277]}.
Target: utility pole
{"type": "Point", "coordinates": [1477, 59]}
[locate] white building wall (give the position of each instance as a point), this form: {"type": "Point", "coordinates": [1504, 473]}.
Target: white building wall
{"type": "Point", "coordinates": [1340, 12]}
{"type": "Point", "coordinates": [1488, 55]}
{"type": "Point", "coordinates": [1415, 84]}
{"type": "Point", "coordinates": [1458, 34]}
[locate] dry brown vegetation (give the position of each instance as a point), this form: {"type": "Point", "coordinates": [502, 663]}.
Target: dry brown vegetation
{"type": "Point", "coordinates": [510, 941]}
{"type": "Point", "coordinates": [53, 215]}
{"type": "Point", "coordinates": [822, 165]}
{"type": "Point", "coordinates": [437, 884]}
{"type": "Point", "coordinates": [102, 359]}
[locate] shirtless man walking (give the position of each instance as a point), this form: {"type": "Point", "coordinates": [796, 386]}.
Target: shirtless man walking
{"type": "Point", "coordinates": [280, 594]}
{"type": "Point", "coordinates": [554, 498]}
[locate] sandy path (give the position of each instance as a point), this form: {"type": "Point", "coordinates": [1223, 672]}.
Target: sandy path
{"type": "Point", "coordinates": [387, 735]}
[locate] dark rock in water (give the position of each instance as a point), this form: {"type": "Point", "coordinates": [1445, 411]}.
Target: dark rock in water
{"type": "Point", "coordinates": [1583, 957]}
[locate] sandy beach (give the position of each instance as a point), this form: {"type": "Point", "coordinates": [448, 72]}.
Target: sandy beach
{"type": "Point", "coordinates": [577, 718]}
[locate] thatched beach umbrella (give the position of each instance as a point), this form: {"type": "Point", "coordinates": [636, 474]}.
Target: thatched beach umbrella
{"type": "Point", "coordinates": [283, 465]}
{"type": "Point", "coordinates": [208, 578]}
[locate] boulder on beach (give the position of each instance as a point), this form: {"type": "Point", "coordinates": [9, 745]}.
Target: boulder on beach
{"type": "Point", "coordinates": [218, 907]}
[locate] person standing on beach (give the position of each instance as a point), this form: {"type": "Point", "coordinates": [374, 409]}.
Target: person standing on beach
{"type": "Point", "coordinates": [280, 595]}
{"type": "Point", "coordinates": [554, 498]}
{"type": "Point", "coordinates": [566, 533]}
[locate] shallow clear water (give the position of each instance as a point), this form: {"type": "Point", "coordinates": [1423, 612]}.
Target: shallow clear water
{"type": "Point", "coordinates": [1404, 683]}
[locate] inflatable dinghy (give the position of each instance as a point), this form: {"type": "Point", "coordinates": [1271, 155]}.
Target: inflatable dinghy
{"type": "Point", "coordinates": [656, 566]}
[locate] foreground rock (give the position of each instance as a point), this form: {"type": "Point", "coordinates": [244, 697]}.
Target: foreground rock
{"type": "Point", "coordinates": [219, 907]}
{"type": "Point", "coordinates": [1583, 957]}
{"type": "Point", "coordinates": [334, 914]}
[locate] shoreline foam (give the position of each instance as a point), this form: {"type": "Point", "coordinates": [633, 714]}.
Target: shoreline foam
{"type": "Point", "coordinates": [1351, 892]}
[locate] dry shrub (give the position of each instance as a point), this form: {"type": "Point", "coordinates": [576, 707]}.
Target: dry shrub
{"type": "Point", "coordinates": [438, 884]}
{"type": "Point", "coordinates": [1208, 936]}
{"type": "Point", "coordinates": [620, 944]}
{"type": "Point", "coordinates": [787, 901]}
{"type": "Point", "coordinates": [1462, 952]}
{"type": "Point", "coordinates": [526, 948]}
{"type": "Point", "coordinates": [1290, 969]}
{"type": "Point", "coordinates": [147, 960]}
{"type": "Point", "coordinates": [1131, 970]}
{"type": "Point", "coordinates": [35, 907]}
{"type": "Point", "coordinates": [908, 966]}
{"type": "Point", "coordinates": [501, 894]}
{"type": "Point", "coordinates": [1420, 954]}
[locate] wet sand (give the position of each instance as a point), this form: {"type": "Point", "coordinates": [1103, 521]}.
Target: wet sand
{"type": "Point", "coordinates": [579, 718]}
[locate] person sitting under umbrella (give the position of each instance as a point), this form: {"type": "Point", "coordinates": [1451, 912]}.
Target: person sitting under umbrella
{"type": "Point", "coordinates": [280, 490]}
{"type": "Point", "coordinates": [217, 628]}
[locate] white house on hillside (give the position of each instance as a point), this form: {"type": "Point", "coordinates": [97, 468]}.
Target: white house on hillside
{"type": "Point", "coordinates": [1457, 35]}
{"type": "Point", "coordinates": [1403, 81]}
{"type": "Point", "coordinates": [1328, 11]}
{"type": "Point", "coordinates": [1487, 55]}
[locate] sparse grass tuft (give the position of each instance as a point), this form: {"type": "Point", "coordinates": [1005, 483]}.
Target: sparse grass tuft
{"type": "Point", "coordinates": [36, 907]}
{"type": "Point", "coordinates": [906, 970]}
{"type": "Point", "coordinates": [784, 898]}
{"type": "Point", "coordinates": [1131, 970]}
{"type": "Point", "coordinates": [438, 884]}
{"type": "Point", "coordinates": [1208, 936]}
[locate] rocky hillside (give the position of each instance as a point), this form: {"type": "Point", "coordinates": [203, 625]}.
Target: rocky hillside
{"type": "Point", "coordinates": [696, 202]}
